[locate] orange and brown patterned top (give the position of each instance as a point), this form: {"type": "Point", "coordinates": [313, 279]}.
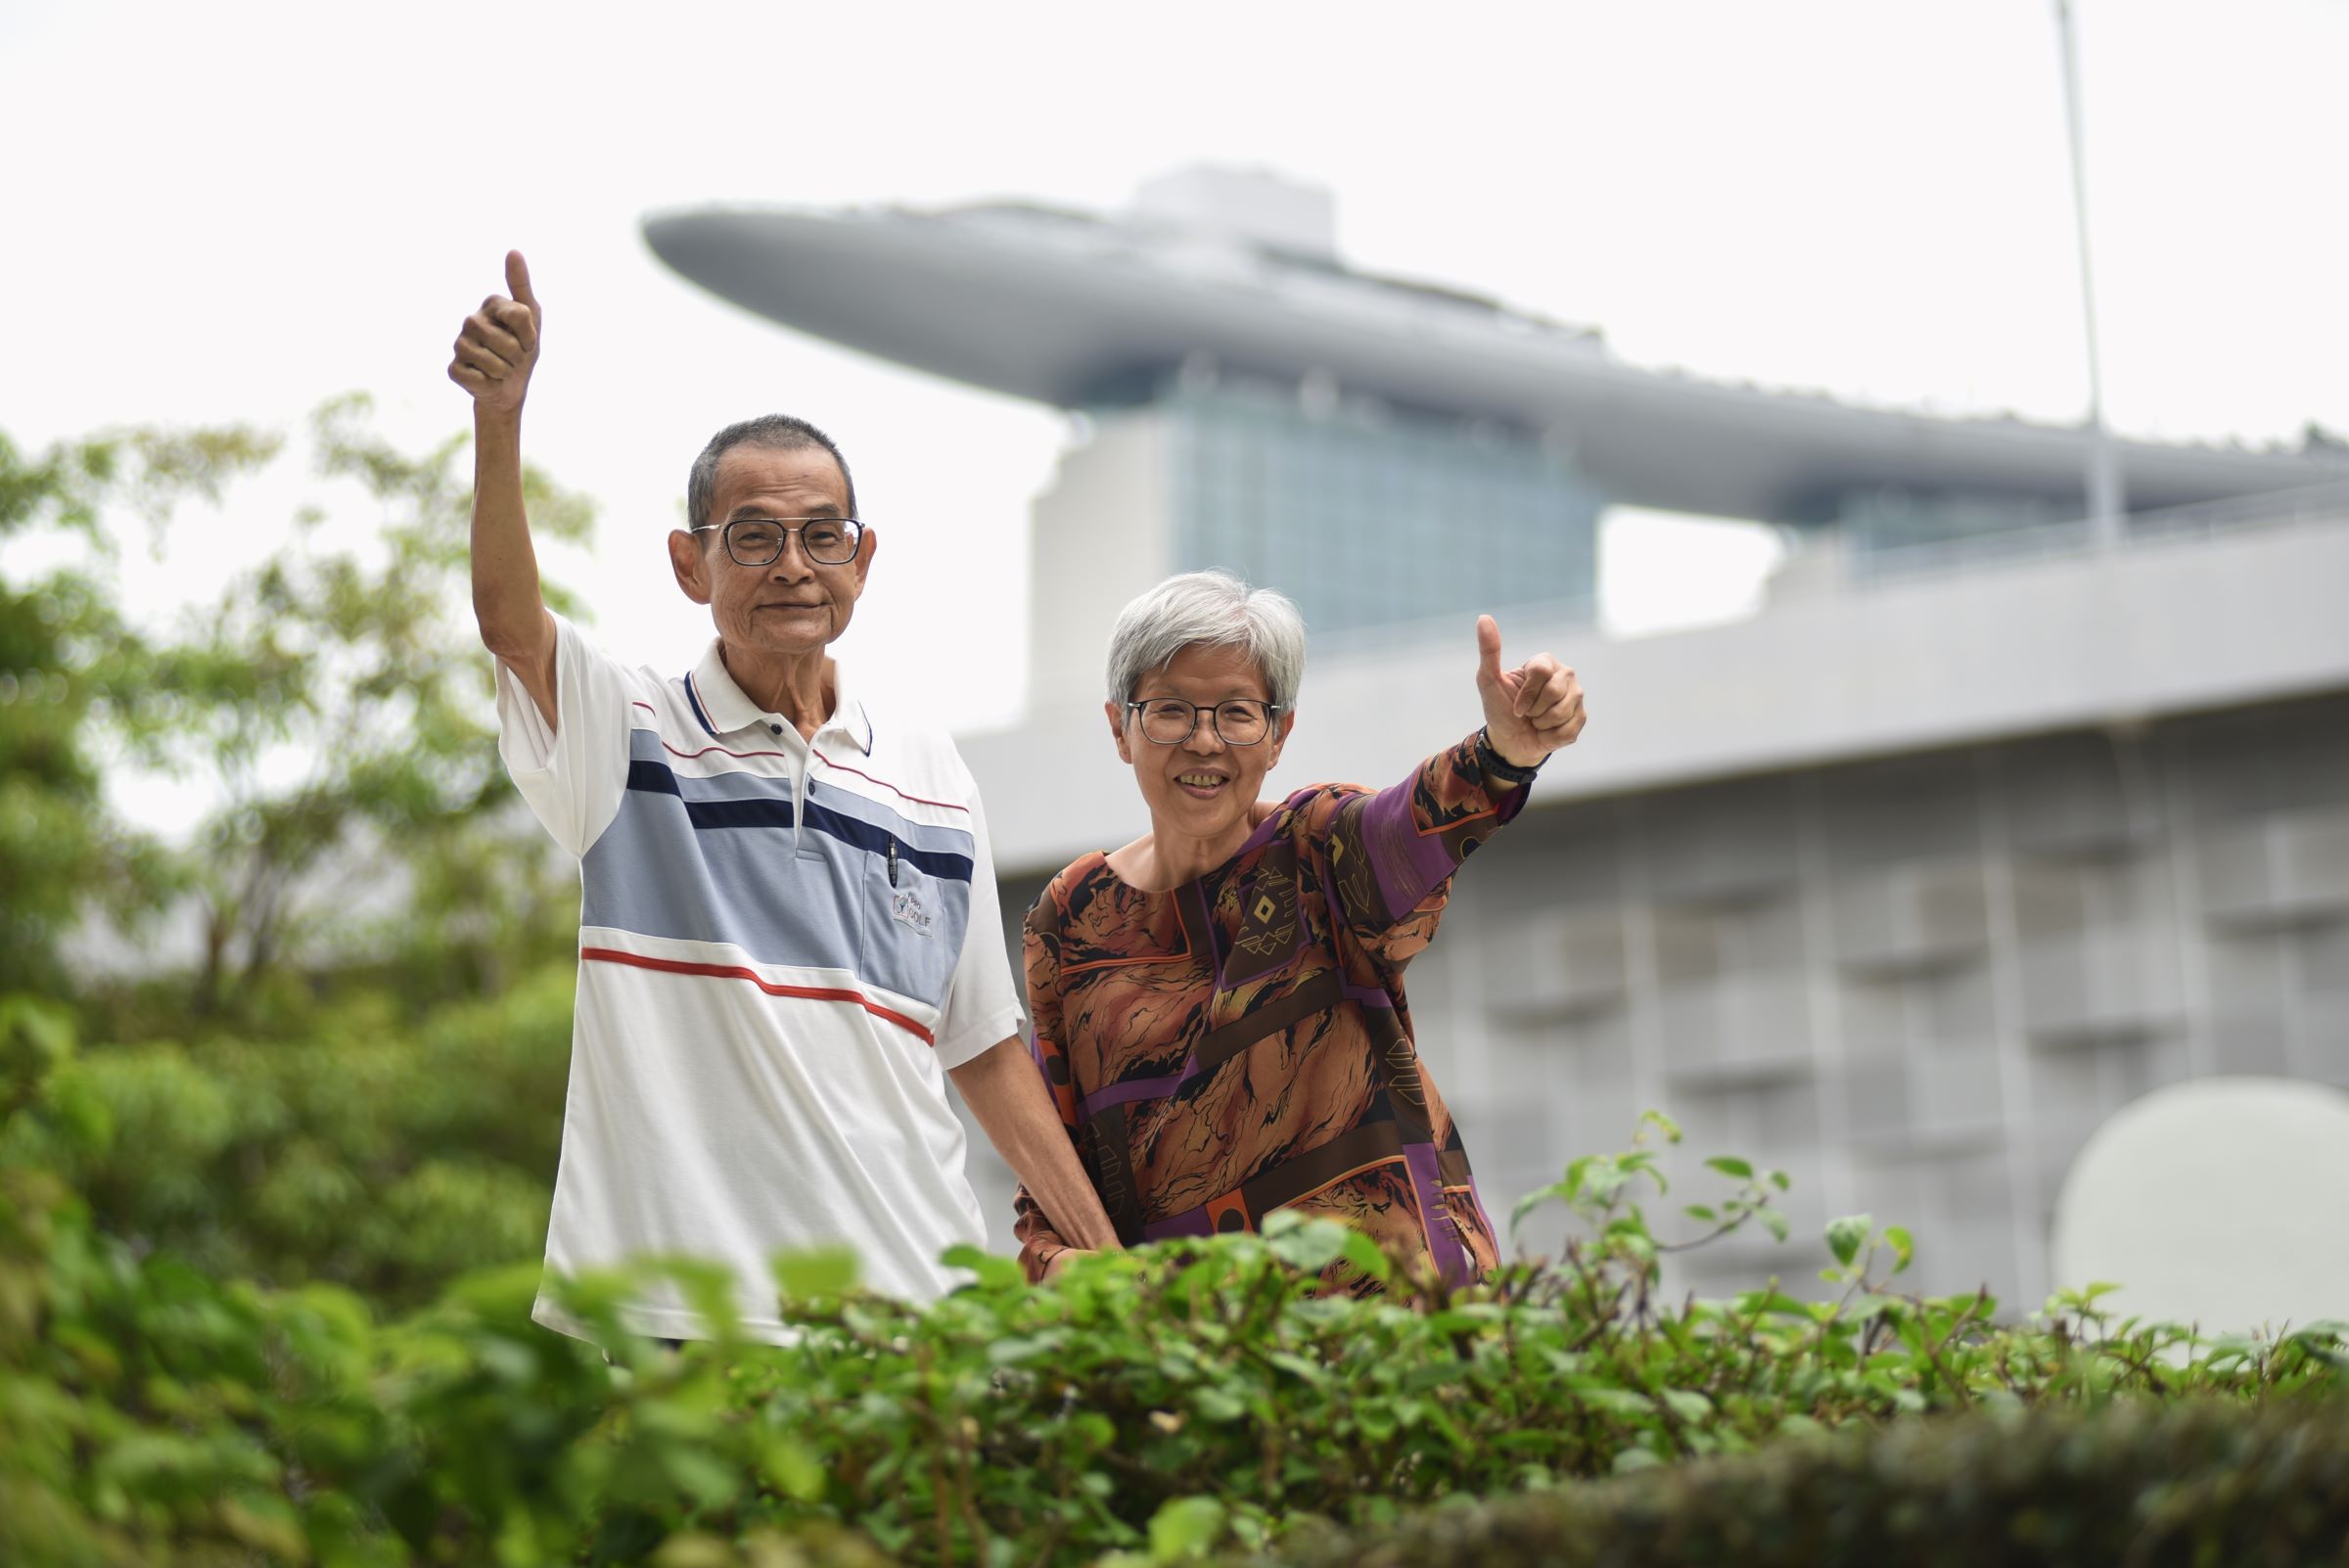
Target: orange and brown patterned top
{"type": "Point", "coordinates": [1241, 1044]}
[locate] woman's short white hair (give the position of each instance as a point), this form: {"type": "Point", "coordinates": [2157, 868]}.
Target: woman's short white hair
{"type": "Point", "coordinates": [1218, 610]}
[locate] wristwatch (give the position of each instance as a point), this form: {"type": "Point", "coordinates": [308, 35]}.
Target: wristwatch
{"type": "Point", "coordinates": [1493, 765]}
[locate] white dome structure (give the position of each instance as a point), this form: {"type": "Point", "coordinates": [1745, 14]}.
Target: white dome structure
{"type": "Point", "coordinates": [2222, 1203]}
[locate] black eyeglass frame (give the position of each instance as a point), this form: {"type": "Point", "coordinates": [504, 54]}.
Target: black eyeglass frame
{"type": "Point", "coordinates": [1272, 712]}
{"type": "Point", "coordinates": [785, 527]}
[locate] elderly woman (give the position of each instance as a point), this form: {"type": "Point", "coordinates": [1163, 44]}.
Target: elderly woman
{"type": "Point", "coordinates": [1219, 1005]}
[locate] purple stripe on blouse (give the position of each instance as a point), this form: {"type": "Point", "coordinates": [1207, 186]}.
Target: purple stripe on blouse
{"type": "Point", "coordinates": [1137, 1088]}
{"type": "Point", "coordinates": [1443, 1238]}
{"type": "Point", "coordinates": [1189, 1223]}
{"type": "Point", "coordinates": [1395, 845]}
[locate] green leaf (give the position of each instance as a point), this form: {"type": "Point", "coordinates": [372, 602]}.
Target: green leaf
{"type": "Point", "coordinates": [1534, 1200]}
{"type": "Point", "coordinates": [995, 1271]}
{"type": "Point", "coordinates": [1731, 1166]}
{"type": "Point", "coordinates": [1365, 1254]}
{"type": "Point", "coordinates": [818, 1273]}
{"type": "Point", "coordinates": [792, 1469]}
{"type": "Point", "coordinates": [1902, 1248]}
{"type": "Point", "coordinates": [1847, 1235]}
{"type": "Point", "coordinates": [1184, 1528]}
{"type": "Point", "coordinates": [1312, 1245]}
{"type": "Point", "coordinates": [1575, 1171]}
{"type": "Point", "coordinates": [1615, 1400]}
{"type": "Point", "coordinates": [1217, 1406]}
{"type": "Point", "coordinates": [1687, 1404]}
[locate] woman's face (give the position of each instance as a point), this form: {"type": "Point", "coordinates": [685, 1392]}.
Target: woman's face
{"type": "Point", "coordinates": [1202, 787]}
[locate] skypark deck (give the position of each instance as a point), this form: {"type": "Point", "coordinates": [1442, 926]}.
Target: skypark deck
{"type": "Point", "coordinates": [1075, 310]}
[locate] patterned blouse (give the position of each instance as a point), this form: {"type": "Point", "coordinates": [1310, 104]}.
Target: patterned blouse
{"type": "Point", "coordinates": [1241, 1044]}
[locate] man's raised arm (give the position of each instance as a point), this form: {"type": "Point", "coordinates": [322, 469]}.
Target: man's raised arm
{"type": "Point", "coordinates": [495, 354]}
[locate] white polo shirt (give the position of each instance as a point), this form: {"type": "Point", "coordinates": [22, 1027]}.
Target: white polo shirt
{"type": "Point", "coordinates": [783, 945]}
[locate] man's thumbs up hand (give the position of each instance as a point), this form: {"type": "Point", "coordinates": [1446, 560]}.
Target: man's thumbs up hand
{"type": "Point", "coordinates": [518, 281]}
{"type": "Point", "coordinates": [497, 348]}
{"type": "Point", "coordinates": [1530, 711]}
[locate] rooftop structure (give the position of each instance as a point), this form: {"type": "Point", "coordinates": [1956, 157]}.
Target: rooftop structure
{"type": "Point", "coordinates": [1236, 276]}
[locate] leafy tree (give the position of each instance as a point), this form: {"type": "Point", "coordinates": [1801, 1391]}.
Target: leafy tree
{"type": "Point", "coordinates": [66, 659]}
{"type": "Point", "coordinates": [358, 1076]}
{"type": "Point", "coordinates": [398, 843]}
{"type": "Point", "coordinates": [394, 852]}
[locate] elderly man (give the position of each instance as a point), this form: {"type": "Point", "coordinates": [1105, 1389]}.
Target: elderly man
{"type": "Point", "coordinates": [788, 935]}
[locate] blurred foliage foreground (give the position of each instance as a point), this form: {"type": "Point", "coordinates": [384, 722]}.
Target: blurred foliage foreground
{"type": "Point", "coordinates": [269, 1201]}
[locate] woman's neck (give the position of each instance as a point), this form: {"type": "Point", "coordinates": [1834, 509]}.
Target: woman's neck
{"type": "Point", "coordinates": [1160, 862]}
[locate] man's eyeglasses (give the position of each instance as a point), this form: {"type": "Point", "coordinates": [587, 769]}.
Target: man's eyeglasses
{"type": "Point", "coordinates": [1170, 720]}
{"type": "Point", "coordinates": [758, 541]}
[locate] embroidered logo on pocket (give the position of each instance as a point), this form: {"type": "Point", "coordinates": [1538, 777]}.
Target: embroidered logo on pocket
{"type": "Point", "coordinates": [906, 907]}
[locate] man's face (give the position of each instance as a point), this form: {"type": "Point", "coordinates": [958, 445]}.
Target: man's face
{"type": "Point", "coordinates": [792, 605]}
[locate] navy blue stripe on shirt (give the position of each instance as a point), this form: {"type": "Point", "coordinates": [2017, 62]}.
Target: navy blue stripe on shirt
{"type": "Point", "coordinates": [654, 778]}
{"type": "Point", "coordinates": [941, 864]}
{"type": "Point", "coordinates": [738, 814]}
{"type": "Point", "coordinates": [695, 698]}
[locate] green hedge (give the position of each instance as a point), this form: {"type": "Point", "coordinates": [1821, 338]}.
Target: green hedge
{"type": "Point", "coordinates": [1183, 1399]}
{"type": "Point", "coordinates": [2197, 1485]}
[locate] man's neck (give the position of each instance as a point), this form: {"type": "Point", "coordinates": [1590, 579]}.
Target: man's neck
{"type": "Point", "coordinates": [800, 687]}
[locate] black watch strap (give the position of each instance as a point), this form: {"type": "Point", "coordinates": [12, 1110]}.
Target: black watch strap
{"type": "Point", "coordinates": [1493, 765]}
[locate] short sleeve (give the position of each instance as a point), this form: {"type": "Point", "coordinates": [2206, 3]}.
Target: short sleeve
{"type": "Point", "coordinates": [982, 1008]}
{"type": "Point", "coordinates": [575, 773]}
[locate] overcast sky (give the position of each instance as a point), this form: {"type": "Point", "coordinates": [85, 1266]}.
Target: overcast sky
{"type": "Point", "coordinates": [231, 212]}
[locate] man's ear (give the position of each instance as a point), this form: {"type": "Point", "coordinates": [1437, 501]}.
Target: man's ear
{"type": "Point", "coordinates": [1117, 730]}
{"type": "Point", "coordinates": [1280, 737]}
{"type": "Point", "coordinates": [869, 547]}
{"type": "Point", "coordinates": [692, 566]}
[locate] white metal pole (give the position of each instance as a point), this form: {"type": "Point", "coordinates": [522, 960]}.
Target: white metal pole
{"type": "Point", "coordinates": [2106, 500]}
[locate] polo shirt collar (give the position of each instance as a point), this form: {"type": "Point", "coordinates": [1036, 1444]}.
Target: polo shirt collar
{"type": "Point", "coordinates": [722, 707]}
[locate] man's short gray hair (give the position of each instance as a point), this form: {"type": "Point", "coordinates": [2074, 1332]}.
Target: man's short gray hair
{"type": "Point", "coordinates": [1218, 610]}
{"type": "Point", "coordinates": [779, 433]}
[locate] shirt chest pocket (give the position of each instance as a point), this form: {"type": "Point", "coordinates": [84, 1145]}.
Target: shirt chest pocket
{"type": "Point", "coordinates": [916, 907]}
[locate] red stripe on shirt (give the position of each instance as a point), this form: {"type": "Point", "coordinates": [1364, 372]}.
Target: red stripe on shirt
{"type": "Point", "coordinates": [886, 785]}
{"type": "Point", "coordinates": [679, 966]}
{"type": "Point", "coordinates": [706, 750]}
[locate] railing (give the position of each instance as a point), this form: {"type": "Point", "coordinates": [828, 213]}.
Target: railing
{"type": "Point", "coordinates": [2049, 541]}
{"type": "Point", "coordinates": [1858, 570]}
